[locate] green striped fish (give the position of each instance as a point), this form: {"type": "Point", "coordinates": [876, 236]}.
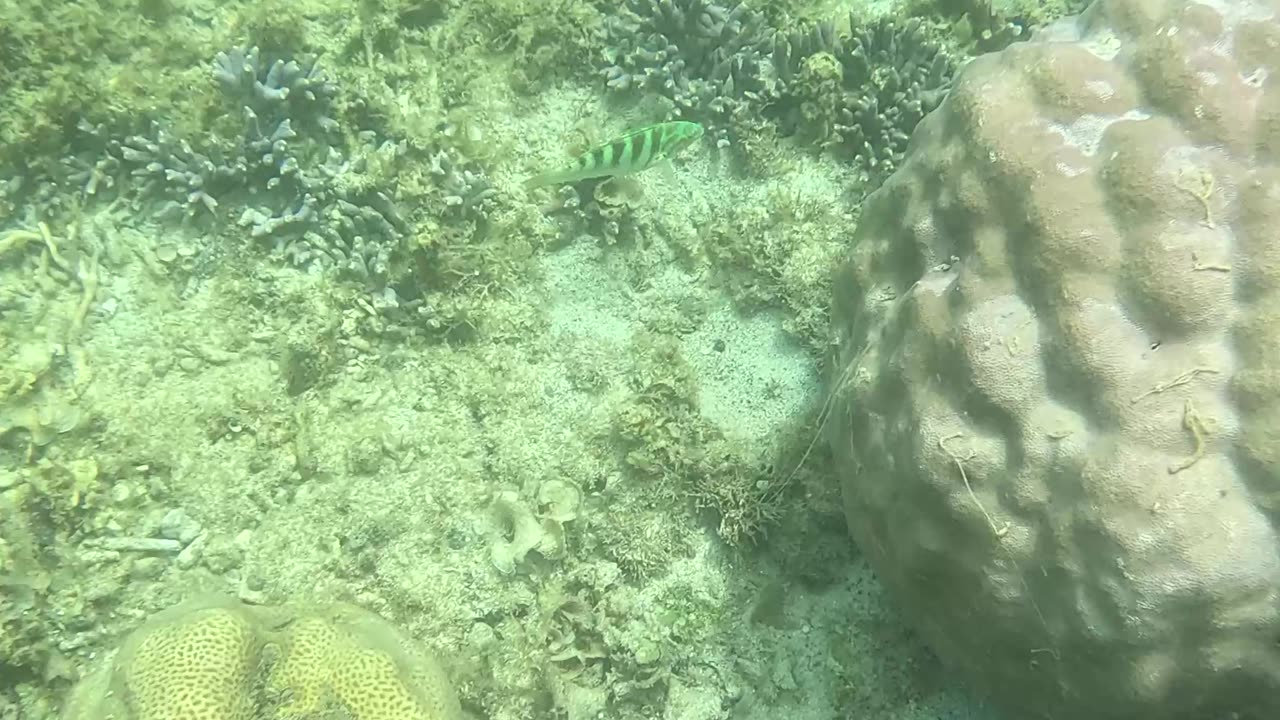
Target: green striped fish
{"type": "Point", "coordinates": [633, 152]}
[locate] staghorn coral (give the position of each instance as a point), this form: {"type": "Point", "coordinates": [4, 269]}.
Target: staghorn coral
{"type": "Point", "coordinates": [1057, 408]}
{"type": "Point", "coordinates": [467, 193]}
{"type": "Point", "coordinates": [220, 660]}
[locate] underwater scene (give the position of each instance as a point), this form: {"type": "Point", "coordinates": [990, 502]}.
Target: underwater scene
{"type": "Point", "coordinates": [639, 360]}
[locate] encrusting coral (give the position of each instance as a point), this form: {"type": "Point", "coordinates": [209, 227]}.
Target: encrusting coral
{"type": "Point", "coordinates": [221, 660]}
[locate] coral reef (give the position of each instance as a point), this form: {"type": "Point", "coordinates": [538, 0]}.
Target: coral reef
{"type": "Point", "coordinates": [516, 531]}
{"type": "Point", "coordinates": [543, 47]}
{"type": "Point", "coordinates": [465, 189]}
{"type": "Point", "coordinates": [42, 362]}
{"type": "Point", "coordinates": [1054, 415]}
{"type": "Point", "coordinates": [601, 209]}
{"type": "Point", "coordinates": [113, 59]}
{"type": "Point", "coordinates": [703, 57]}
{"type": "Point", "coordinates": [290, 332]}
{"type": "Point", "coordinates": [859, 91]}
{"type": "Point", "coordinates": [283, 170]}
{"type": "Point", "coordinates": [219, 659]}
{"type": "Point", "coordinates": [45, 622]}
{"type": "Point", "coordinates": [48, 492]}
{"type": "Point", "coordinates": [861, 94]}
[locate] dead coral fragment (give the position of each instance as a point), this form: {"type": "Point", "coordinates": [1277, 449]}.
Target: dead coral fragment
{"type": "Point", "coordinates": [516, 532]}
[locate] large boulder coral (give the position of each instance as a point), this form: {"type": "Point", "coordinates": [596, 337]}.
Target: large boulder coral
{"type": "Point", "coordinates": [221, 660]}
{"type": "Point", "coordinates": [1057, 414]}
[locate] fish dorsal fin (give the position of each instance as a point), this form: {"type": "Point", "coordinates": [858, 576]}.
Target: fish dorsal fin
{"type": "Point", "coordinates": [619, 139]}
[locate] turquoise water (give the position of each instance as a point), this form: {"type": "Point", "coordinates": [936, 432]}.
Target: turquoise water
{"type": "Point", "coordinates": [280, 328]}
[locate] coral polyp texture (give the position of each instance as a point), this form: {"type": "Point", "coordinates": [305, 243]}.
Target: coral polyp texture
{"type": "Point", "coordinates": [1057, 414]}
{"type": "Point", "coordinates": [219, 660]}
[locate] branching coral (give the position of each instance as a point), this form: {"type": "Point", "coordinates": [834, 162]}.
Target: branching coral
{"type": "Point", "coordinates": [705, 58]}
{"type": "Point", "coordinates": [862, 93]}
{"type": "Point", "coordinates": [283, 174]}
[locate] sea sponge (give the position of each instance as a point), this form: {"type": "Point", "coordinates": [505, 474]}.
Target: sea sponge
{"type": "Point", "coordinates": [221, 660]}
{"type": "Point", "coordinates": [1057, 415]}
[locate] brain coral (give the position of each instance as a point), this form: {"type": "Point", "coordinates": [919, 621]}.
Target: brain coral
{"type": "Point", "coordinates": [1057, 423]}
{"type": "Point", "coordinates": [223, 661]}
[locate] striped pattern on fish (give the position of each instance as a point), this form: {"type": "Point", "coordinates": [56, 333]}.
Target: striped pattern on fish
{"type": "Point", "coordinates": [631, 153]}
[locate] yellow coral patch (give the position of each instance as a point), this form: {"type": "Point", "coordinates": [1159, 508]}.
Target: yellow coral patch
{"type": "Point", "coordinates": [222, 660]}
